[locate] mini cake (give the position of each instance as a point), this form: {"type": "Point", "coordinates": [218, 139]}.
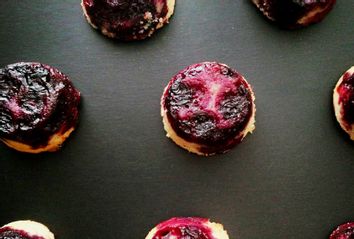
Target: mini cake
{"type": "Point", "coordinates": [128, 19]}
{"type": "Point", "coordinates": [294, 13]}
{"type": "Point", "coordinates": [344, 231]}
{"type": "Point", "coordinates": [189, 227]}
{"type": "Point", "coordinates": [343, 102]}
{"type": "Point", "coordinates": [38, 107]}
{"type": "Point", "coordinates": [208, 108]}
{"type": "Point", "coordinates": [25, 230]}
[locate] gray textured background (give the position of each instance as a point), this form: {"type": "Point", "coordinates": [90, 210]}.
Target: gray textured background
{"type": "Point", "coordinates": [118, 175]}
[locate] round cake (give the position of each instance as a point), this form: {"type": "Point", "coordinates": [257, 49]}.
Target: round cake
{"type": "Point", "coordinates": [128, 19]}
{"type": "Point", "coordinates": [344, 231]}
{"type": "Point", "coordinates": [25, 230]}
{"type": "Point", "coordinates": [343, 102]}
{"type": "Point", "coordinates": [188, 227]}
{"type": "Point", "coordinates": [294, 13]}
{"type": "Point", "coordinates": [38, 107]}
{"type": "Point", "coordinates": [208, 108]}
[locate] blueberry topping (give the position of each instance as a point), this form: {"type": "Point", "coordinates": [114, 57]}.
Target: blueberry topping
{"type": "Point", "coordinates": [36, 101]}
{"type": "Point", "coordinates": [126, 19]}
{"type": "Point", "coordinates": [183, 228]}
{"type": "Point", "coordinates": [8, 233]}
{"type": "Point", "coordinates": [12, 235]}
{"type": "Point", "coordinates": [346, 98]}
{"type": "Point", "coordinates": [209, 104]}
{"type": "Point", "coordinates": [182, 232]}
{"type": "Point", "coordinates": [345, 231]}
{"type": "Point", "coordinates": [296, 13]}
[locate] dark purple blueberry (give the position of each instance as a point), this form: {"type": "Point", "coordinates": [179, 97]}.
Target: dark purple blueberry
{"type": "Point", "coordinates": [183, 228]}
{"type": "Point", "coordinates": [235, 105]}
{"type": "Point", "coordinates": [295, 13]}
{"type": "Point", "coordinates": [36, 101]}
{"type": "Point", "coordinates": [209, 104]}
{"type": "Point", "coordinates": [346, 99]}
{"type": "Point", "coordinates": [344, 231]}
{"type": "Point", "coordinates": [126, 19]}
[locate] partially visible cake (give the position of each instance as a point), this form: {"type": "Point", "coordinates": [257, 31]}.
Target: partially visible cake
{"type": "Point", "coordinates": [343, 101]}
{"type": "Point", "coordinates": [25, 230]}
{"type": "Point", "coordinates": [344, 231]}
{"type": "Point", "coordinates": [128, 19]}
{"type": "Point", "coordinates": [295, 13]}
{"type": "Point", "coordinates": [38, 107]}
{"type": "Point", "coordinates": [188, 228]}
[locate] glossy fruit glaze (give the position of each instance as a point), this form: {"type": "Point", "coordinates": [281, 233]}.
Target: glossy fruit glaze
{"type": "Point", "coordinates": [344, 231]}
{"type": "Point", "coordinates": [36, 101]}
{"type": "Point", "coordinates": [127, 19]}
{"type": "Point", "coordinates": [346, 99]}
{"type": "Point", "coordinates": [9, 233]}
{"type": "Point", "coordinates": [184, 228]}
{"type": "Point", "coordinates": [209, 104]}
{"type": "Point", "coordinates": [287, 13]}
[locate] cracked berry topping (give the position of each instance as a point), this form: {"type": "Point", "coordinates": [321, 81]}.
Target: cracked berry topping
{"type": "Point", "coordinates": [126, 19]}
{"type": "Point", "coordinates": [346, 99]}
{"type": "Point", "coordinates": [36, 101]}
{"type": "Point", "coordinates": [209, 104]}
{"type": "Point", "coordinates": [184, 228]}
{"type": "Point", "coordinates": [295, 13]}
{"type": "Point", "coordinates": [9, 233]}
{"type": "Point", "coordinates": [345, 231]}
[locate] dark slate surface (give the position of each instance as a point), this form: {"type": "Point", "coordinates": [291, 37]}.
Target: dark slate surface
{"type": "Point", "coordinates": [118, 175]}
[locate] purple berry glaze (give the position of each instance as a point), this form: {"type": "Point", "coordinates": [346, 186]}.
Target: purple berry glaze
{"type": "Point", "coordinates": [346, 99]}
{"type": "Point", "coordinates": [209, 104]}
{"type": "Point", "coordinates": [36, 101]}
{"type": "Point", "coordinates": [184, 228]}
{"type": "Point", "coordinates": [344, 231]}
{"type": "Point", "coordinates": [9, 233]}
{"type": "Point", "coordinates": [126, 19]}
{"type": "Point", "coordinates": [287, 13]}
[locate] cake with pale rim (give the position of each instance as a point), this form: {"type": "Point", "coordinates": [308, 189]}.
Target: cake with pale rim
{"type": "Point", "coordinates": [128, 19]}
{"type": "Point", "coordinates": [343, 101]}
{"type": "Point", "coordinates": [208, 108]}
{"type": "Point", "coordinates": [188, 227]}
{"type": "Point", "coordinates": [294, 13]}
{"type": "Point", "coordinates": [25, 229]}
{"type": "Point", "coordinates": [38, 107]}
